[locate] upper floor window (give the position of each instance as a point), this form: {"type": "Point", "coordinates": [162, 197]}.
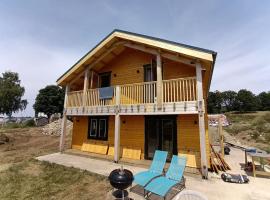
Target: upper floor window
{"type": "Point", "coordinates": [98, 128]}
{"type": "Point", "coordinates": [105, 79]}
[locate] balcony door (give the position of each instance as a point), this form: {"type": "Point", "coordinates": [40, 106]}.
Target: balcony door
{"type": "Point", "coordinates": [150, 74]}
{"type": "Point", "coordinates": [160, 134]}
{"type": "Point", "coordinates": [105, 79]}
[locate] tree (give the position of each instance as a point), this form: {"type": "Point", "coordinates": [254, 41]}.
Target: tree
{"type": "Point", "coordinates": [246, 101]}
{"type": "Point", "coordinates": [229, 100]}
{"type": "Point", "coordinates": [264, 100]}
{"type": "Point", "coordinates": [11, 93]}
{"type": "Point", "coordinates": [214, 102]}
{"type": "Point", "coordinates": [50, 100]}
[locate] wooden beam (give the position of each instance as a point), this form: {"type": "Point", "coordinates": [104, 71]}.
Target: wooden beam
{"type": "Point", "coordinates": [159, 82]}
{"type": "Point", "coordinates": [92, 79]}
{"type": "Point", "coordinates": [108, 51]}
{"type": "Point", "coordinates": [117, 126]}
{"type": "Point", "coordinates": [221, 136]}
{"type": "Point", "coordinates": [142, 48]}
{"type": "Point", "coordinates": [178, 58]}
{"type": "Point", "coordinates": [169, 56]}
{"type": "Point", "coordinates": [64, 122]}
{"type": "Point", "coordinates": [77, 77]}
{"type": "Point", "coordinates": [164, 45]}
{"type": "Point", "coordinates": [204, 164]}
{"type": "Point", "coordinates": [85, 86]}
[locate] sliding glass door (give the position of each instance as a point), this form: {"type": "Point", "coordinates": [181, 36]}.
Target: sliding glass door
{"type": "Point", "coordinates": [160, 134]}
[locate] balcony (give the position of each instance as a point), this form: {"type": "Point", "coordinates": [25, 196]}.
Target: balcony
{"type": "Point", "coordinates": [177, 96]}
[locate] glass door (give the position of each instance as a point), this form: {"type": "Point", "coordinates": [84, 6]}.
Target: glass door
{"type": "Point", "coordinates": [167, 131]}
{"type": "Point", "coordinates": [152, 137]}
{"type": "Point", "coordinates": [160, 134]}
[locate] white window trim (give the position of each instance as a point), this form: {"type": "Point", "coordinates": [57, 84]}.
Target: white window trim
{"type": "Point", "coordinates": [105, 120]}
{"type": "Point", "coordinates": [91, 128]}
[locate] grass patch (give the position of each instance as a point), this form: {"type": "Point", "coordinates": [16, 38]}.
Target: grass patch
{"type": "Point", "coordinates": [237, 128]}
{"type": "Point", "coordinates": [41, 180]}
{"type": "Point", "coordinates": [28, 123]}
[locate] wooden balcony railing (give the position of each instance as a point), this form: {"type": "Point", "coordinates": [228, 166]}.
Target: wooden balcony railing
{"type": "Point", "coordinates": [174, 90]}
{"type": "Point", "coordinates": [75, 99]}
{"type": "Point", "coordinates": [177, 90]}
{"type": "Point", "coordinates": [92, 98]}
{"type": "Point", "coordinates": [138, 93]}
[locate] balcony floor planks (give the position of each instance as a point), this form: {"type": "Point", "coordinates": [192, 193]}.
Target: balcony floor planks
{"type": "Point", "coordinates": [189, 107]}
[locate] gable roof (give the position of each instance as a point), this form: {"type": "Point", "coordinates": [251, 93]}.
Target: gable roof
{"type": "Point", "coordinates": [187, 50]}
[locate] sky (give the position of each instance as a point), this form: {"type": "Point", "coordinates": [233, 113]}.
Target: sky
{"type": "Point", "coordinates": [42, 39]}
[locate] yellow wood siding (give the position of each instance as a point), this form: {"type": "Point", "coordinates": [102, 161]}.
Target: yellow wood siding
{"type": "Point", "coordinates": [174, 70]}
{"type": "Point", "coordinates": [131, 133]}
{"type": "Point", "coordinates": [80, 128]}
{"type": "Point", "coordinates": [127, 67]}
{"type": "Point", "coordinates": [188, 138]}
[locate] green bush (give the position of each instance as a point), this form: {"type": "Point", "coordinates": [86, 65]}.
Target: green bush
{"type": "Point", "coordinates": [237, 128]}
{"type": "Point", "coordinates": [255, 135]}
{"type": "Point", "coordinates": [267, 137]}
{"type": "Point", "coordinates": [266, 117]}
{"type": "Point", "coordinates": [12, 125]}
{"type": "Point", "coordinates": [29, 123]}
{"type": "Point", "coordinates": [237, 118]}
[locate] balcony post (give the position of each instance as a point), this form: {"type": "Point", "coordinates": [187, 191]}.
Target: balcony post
{"type": "Point", "coordinates": [117, 126]}
{"type": "Point", "coordinates": [85, 86]}
{"type": "Point", "coordinates": [159, 82]}
{"type": "Point", "coordinates": [64, 121]}
{"type": "Point", "coordinates": [200, 101]}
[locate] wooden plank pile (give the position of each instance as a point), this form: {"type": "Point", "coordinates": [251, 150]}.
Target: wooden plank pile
{"type": "Point", "coordinates": [217, 162]}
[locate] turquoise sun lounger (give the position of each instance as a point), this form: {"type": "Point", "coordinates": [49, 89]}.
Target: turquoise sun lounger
{"type": "Point", "coordinates": [155, 170]}
{"type": "Point", "coordinates": [162, 185]}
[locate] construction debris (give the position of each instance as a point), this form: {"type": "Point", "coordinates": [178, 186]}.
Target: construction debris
{"type": "Point", "coordinates": [213, 120]}
{"type": "Point", "coordinates": [217, 162]}
{"type": "Point", "coordinates": [54, 128]}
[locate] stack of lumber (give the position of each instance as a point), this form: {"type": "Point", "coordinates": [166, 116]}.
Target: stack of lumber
{"type": "Point", "coordinates": [217, 162]}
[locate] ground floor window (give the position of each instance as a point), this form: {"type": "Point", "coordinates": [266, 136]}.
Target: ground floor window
{"type": "Point", "coordinates": [98, 128]}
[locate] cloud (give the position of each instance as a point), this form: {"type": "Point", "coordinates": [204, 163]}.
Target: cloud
{"type": "Point", "coordinates": [42, 39]}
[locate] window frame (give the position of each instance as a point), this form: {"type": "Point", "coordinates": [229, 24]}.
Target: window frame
{"type": "Point", "coordinates": [91, 127]}
{"type": "Point", "coordinates": [98, 135]}
{"type": "Point", "coordinates": [104, 74]}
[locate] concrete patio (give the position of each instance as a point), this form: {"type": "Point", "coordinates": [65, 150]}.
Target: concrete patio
{"type": "Point", "coordinates": [213, 188]}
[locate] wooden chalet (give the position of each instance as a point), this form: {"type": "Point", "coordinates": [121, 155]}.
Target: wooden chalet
{"type": "Point", "coordinates": [132, 94]}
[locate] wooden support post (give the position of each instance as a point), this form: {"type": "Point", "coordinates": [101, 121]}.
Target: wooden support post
{"type": "Point", "coordinates": [92, 79]}
{"type": "Point", "coordinates": [159, 82]}
{"type": "Point", "coordinates": [64, 122]}
{"type": "Point", "coordinates": [117, 126]}
{"type": "Point", "coordinates": [200, 100]}
{"type": "Point", "coordinates": [221, 136]}
{"type": "Point", "coordinates": [253, 167]}
{"type": "Point", "coordinates": [85, 86]}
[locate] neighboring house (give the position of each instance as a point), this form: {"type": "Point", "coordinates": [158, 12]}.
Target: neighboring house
{"type": "Point", "coordinates": [134, 94]}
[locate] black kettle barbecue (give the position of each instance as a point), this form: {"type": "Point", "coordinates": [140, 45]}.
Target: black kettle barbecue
{"type": "Point", "coordinates": [121, 179]}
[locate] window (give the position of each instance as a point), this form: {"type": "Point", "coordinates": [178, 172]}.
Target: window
{"type": "Point", "coordinates": [98, 128]}
{"type": "Point", "coordinates": [93, 128]}
{"type": "Point", "coordinates": [105, 79]}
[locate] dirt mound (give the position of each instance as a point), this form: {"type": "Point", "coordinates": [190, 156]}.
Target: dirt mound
{"type": "Point", "coordinates": [54, 128]}
{"type": "Point", "coordinates": [3, 138]}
